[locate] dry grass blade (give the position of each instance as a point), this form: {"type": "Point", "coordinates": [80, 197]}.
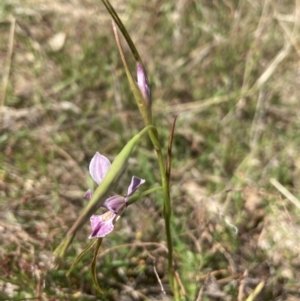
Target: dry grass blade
{"type": "Point", "coordinates": [201, 105]}
{"type": "Point", "coordinates": [273, 66]}
{"type": "Point", "coordinates": [8, 65]}
{"type": "Point", "coordinates": [285, 192]}
{"type": "Point", "coordinates": [256, 292]}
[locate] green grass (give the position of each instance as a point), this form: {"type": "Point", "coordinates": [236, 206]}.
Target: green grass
{"type": "Point", "coordinates": [62, 106]}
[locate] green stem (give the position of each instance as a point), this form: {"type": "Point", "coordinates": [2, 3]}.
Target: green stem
{"type": "Point", "coordinates": [167, 204]}
{"type": "Point", "coordinates": [138, 196]}
{"type": "Point", "coordinates": [125, 33]}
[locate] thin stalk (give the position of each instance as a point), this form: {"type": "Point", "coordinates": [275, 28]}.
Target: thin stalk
{"type": "Point", "coordinates": [125, 33]}
{"type": "Point", "coordinates": [167, 205]}
{"type": "Point", "coordinates": [169, 155]}
{"type": "Point", "coordinates": [138, 196]}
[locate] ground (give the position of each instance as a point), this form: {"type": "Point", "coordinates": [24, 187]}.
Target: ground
{"type": "Point", "coordinates": [229, 70]}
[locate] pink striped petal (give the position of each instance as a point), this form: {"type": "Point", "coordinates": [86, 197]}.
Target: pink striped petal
{"type": "Point", "coordinates": [99, 167]}
{"type": "Point", "coordinates": [134, 185]}
{"type": "Point", "coordinates": [102, 224]}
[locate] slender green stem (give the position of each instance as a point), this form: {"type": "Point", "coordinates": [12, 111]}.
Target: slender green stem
{"type": "Point", "coordinates": [138, 196]}
{"type": "Point", "coordinates": [167, 203]}
{"type": "Point", "coordinates": [125, 33]}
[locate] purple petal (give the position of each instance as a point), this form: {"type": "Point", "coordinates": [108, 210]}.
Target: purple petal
{"type": "Point", "coordinates": [99, 167]}
{"type": "Point", "coordinates": [142, 82]}
{"type": "Point", "coordinates": [134, 185]}
{"type": "Point", "coordinates": [102, 224]}
{"type": "Point", "coordinates": [88, 195]}
{"type": "Point", "coordinates": [115, 203]}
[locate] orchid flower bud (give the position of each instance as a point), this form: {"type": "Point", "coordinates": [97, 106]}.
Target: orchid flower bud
{"type": "Point", "coordinates": [142, 82]}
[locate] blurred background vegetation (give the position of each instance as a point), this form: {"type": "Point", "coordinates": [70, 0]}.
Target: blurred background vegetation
{"type": "Point", "coordinates": [229, 69]}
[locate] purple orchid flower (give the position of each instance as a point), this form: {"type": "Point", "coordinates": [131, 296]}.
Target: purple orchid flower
{"type": "Point", "coordinates": [104, 224]}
